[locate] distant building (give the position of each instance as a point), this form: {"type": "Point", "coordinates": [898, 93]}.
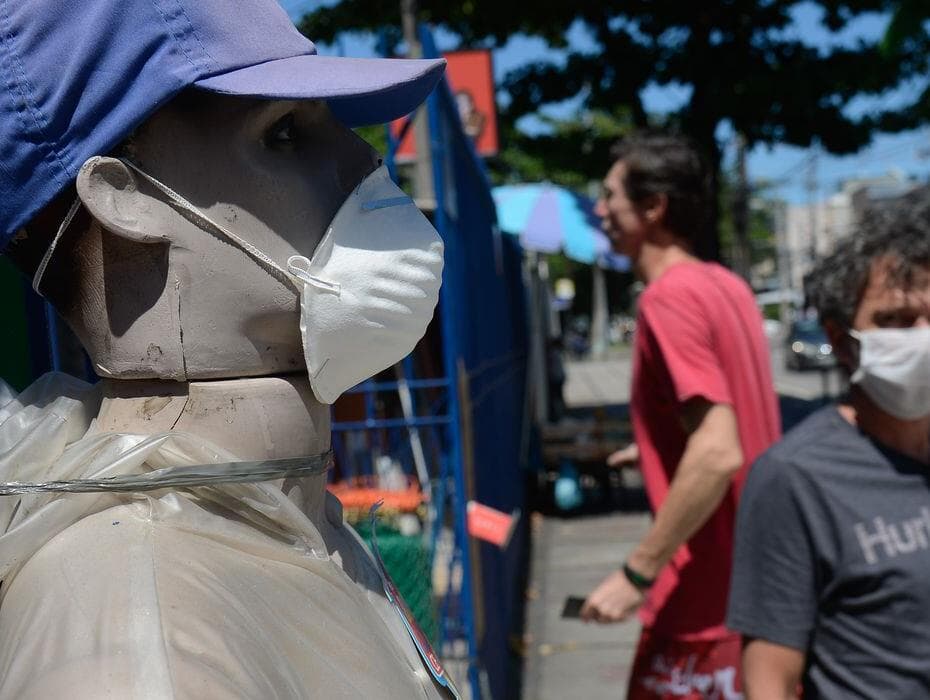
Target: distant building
{"type": "Point", "coordinates": [812, 231]}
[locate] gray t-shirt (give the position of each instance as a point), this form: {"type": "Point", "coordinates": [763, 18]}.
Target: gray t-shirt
{"type": "Point", "coordinates": [832, 557]}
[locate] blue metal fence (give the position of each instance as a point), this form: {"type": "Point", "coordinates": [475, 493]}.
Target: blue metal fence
{"type": "Point", "coordinates": [485, 347]}
{"type": "Point", "coordinates": [471, 408]}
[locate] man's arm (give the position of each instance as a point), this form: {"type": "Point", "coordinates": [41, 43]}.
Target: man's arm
{"type": "Point", "coordinates": [712, 456]}
{"type": "Point", "coordinates": [771, 671]}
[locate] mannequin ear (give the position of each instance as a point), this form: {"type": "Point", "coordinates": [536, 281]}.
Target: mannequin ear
{"type": "Point", "coordinates": [109, 190]}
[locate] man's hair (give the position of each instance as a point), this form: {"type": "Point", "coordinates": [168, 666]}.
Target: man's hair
{"type": "Point", "coordinates": [669, 165]}
{"type": "Point", "coordinates": [897, 232]}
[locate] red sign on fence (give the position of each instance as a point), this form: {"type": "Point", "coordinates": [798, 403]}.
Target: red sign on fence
{"type": "Point", "coordinates": [471, 80]}
{"type": "Point", "coordinates": [490, 524]}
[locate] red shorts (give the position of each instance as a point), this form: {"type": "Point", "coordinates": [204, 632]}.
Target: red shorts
{"type": "Point", "coordinates": [689, 670]}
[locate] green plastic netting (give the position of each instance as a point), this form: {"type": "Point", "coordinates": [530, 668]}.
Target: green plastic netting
{"type": "Point", "coordinates": [407, 560]}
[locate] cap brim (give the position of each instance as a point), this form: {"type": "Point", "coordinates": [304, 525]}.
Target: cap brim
{"type": "Point", "coordinates": [359, 91]}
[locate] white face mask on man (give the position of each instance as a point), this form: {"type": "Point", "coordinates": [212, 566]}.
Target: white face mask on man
{"type": "Point", "coordinates": [894, 369]}
{"type": "Point", "coordinates": [368, 291]}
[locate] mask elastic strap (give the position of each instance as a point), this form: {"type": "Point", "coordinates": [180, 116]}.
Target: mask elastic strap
{"type": "Point", "coordinates": [43, 263]}
{"type": "Point", "coordinates": [299, 267]}
{"type": "Point", "coordinates": [201, 220]}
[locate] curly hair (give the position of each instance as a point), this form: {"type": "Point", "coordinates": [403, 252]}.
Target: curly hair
{"type": "Point", "coordinates": [897, 232]}
{"type": "Point", "coordinates": [670, 165]}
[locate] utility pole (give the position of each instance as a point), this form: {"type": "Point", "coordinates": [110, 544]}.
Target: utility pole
{"type": "Point", "coordinates": [810, 184]}
{"type": "Point", "coordinates": [784, 261]}
{"type": "Point", "coordinates": [742, 253]}
{"type": "Point", "coordinates": [423, 193]}
{"type": "Point", "coordinates": [599, 312]}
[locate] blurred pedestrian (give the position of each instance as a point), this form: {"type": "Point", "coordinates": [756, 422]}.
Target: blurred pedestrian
{"type": "Point", "coordinates": [703, 408]}
{"type": "Point", "coordinates": [555, 377]}
{"type": "Point", "coordinates": [833, 536]}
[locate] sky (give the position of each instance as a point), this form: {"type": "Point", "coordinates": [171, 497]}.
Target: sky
{"type": "Point", "coordinates": [787, 167]}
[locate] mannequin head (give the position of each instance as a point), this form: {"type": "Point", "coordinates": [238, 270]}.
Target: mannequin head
{"type": "Point", "coordinates": [239, 115]}
{"type": "Point", "coordinates": [150, 293]}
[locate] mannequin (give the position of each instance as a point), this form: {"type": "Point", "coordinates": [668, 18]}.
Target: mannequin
{"type": "Point", "coordinates": [189, 333]}
{"type": "Point", "coordinates": [188, 313]}
{"type": "Point", "coordinates": [277, 172]}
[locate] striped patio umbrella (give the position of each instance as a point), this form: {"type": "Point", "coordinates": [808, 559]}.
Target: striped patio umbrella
{"type": "Point", "coordinates": [549, 219]}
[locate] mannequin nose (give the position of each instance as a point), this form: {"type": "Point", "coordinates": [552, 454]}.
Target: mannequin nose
{"type": "Point", "coordinates": [356, 162]}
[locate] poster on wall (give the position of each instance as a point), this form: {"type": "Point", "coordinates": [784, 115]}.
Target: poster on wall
{"type": "Point", "coordinates": [471, 80]}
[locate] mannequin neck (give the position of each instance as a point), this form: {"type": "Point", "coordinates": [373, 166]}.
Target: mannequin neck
{"type": "Point", "coordinates": [253, 418]}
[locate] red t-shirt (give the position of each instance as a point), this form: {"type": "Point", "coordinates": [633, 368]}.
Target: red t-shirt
{"type": "Point", "coordinates": [698, 334]}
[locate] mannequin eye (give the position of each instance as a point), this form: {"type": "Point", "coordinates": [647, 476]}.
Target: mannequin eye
{"type": "Point", "coordinates": [283, 133]}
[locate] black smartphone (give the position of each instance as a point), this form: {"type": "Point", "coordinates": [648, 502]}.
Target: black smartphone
{"type": "Point", "coordinates": [572, 607]}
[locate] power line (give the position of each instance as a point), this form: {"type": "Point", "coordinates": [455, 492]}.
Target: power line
{"type": "Point", "coordinates": [800, 164]}
{"type": "Point", "coordinates": [921, 139]}
{"type": "Point", "coordinates": [919, 143]}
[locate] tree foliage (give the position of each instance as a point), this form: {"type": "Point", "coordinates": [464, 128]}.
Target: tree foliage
{"type": "Point", "coordinates": [906, 37]}
{"type": "Point", "coordinates": [739, 61]}
{"type": "Point", "coordinates": [738, 56]}
{"type": "Point", "coordinates": [572, 153]}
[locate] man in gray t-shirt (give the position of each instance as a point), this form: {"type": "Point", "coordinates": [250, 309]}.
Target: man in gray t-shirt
{"type": "Point", "coordinates": [831, 569]}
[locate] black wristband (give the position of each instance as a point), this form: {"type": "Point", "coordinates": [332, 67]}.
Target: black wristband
{"type": "Point", "coordinates": [637, 579]}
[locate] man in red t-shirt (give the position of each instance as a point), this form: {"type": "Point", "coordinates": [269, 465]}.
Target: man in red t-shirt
{"type": "Point", "coordinates": [703, 408]}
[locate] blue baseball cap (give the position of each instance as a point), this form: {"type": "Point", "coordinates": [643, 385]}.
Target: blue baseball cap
{"type": "Point", "coordinates": [78, 76]}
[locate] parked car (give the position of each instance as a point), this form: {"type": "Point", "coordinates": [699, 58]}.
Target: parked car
{"type": "Point", "coordinates": [807, 346]}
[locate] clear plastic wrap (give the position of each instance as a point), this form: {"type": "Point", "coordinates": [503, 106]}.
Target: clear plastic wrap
{"type": "Point", "coordinates": [218, 591]}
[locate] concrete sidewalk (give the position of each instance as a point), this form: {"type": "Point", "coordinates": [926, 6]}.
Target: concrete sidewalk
{"type": "Point", "coordinates": [566, 658]}
{"type": "Point", "coordinates": [598, 382]}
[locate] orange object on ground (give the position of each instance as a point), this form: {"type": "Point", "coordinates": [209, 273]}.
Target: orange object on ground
{"type": "Point", "coordinates": [362, 494]}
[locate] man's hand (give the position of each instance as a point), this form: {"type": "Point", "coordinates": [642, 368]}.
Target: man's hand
{"type": "Point", "coordinates": [615, 600]}
{"type": "Point", "coordinates": [626, 457]}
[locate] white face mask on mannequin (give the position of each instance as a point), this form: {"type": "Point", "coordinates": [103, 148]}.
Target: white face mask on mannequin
{"type": "Point", "coordinates": [894, 369]}
{"type": "Point", "coordinates": [367, 293]}
{"type": "Point", "coordinates": [370, 289]}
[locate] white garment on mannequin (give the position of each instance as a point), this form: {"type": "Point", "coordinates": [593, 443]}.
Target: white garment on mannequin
{"type": "Point", "coordinates": [219, 592]}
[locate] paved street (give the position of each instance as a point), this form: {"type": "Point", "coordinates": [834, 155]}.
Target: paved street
{"type": "Point", "coordinates": [598, 382]}
{"type": "Point", "coordinates": [606, 382]}
{"type": "Point", "coordinates": [570, 555]}
{"type": "Point", "coordinates": [808, 385]}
